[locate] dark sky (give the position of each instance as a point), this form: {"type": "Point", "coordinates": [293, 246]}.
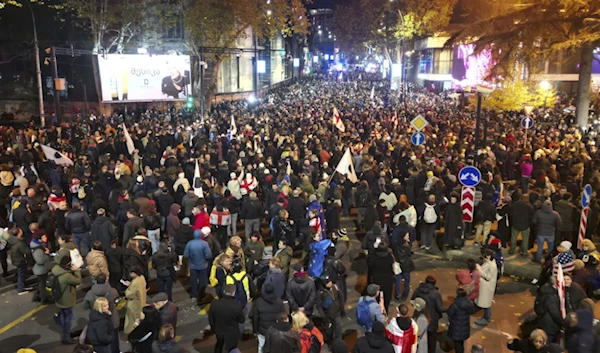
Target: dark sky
{"type": "Point", "coordinates": [325, 3]}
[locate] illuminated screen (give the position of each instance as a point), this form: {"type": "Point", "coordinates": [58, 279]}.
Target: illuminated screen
{"type": "Point", "coordinates": [144, 77]}
{"type": "Point", "coordinates": [262, 67]}
{"type": "Point", "coordinates": [469, 68]}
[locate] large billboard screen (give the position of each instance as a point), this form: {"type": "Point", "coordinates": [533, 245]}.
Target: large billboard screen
{"type": "Point", "coordinates": [144, 78]}
{"type": "Point", "coordinates": [469, 68]}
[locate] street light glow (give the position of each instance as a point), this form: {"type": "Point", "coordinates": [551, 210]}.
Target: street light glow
{"type": "Point", "coordinates": [545, 85]}
{"type": "Point", "coordinates": [269, 12]}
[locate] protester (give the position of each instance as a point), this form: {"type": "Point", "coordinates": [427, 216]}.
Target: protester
{"type": "Point", "coordinates": [301, 291]}
{"type": "Point", "coordinates": [264, 313]}
{"type": "Point", "coordinates": [402, 331]}
{"type": "Point", "coordinates": [331, 306]}
{"type": "Point", "coordinates": [370, 308]}
{"type": "Point", "coordinates": [136, 298]}
{"type": "Point", "coordinates": [41, 256]}
{"type": "Point", "coordinates": [435, 308]}
{"type": "Point", "coordinates": [167, 309]}
{"type": "Point", "coordinates": [280, 337]}
{"type": "Point", "coordinates": [96, 260]}
{"type": "Point", "coordinates": [100, 327]}
{"type": "Point", "coordinates": [101, 289]}
{"type": "Point", "coordinates": [198, 254]}
{"type": "Point", "coordinates": [488, 273]}
{"type": "Point", "coordinates": [167, 342]}
{"type": "Point", "coordinates": [374, 341]}
{"type": "Point", "coordinates": [68, 280]}
{"type": "Point", "coordinates": [459, 315]}
{"type": "Point", "coordinates": [164, 262]}
{"type": "Point", "coordinates": [225, 315]}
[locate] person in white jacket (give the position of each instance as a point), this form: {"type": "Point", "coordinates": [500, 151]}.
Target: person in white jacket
{"type": "Point", "coordinates": [409, 212]}
{"type": "Point", "coordinates": [233, 185]}
{"type": "Point", "coordinates": [181, 180]}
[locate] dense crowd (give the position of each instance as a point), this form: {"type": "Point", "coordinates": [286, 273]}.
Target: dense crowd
{"type": "Point", "coordinates": [115, 215]}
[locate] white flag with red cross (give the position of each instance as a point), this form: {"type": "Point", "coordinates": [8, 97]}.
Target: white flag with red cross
{"type": "Point", "coordinates": [337, 120]}
{"type": "Point", "coordinates": [560, 286]}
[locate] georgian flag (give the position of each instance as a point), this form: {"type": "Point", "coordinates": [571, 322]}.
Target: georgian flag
{"type": "Point", "coordinates": [197, 184]}
{"type": "Point", "coordinates": [232, 129]}
{"type": "Point", "coordinates": [55, 156]}
{"type": "Point", "coordinates": [395, 119]}
{"type": "Point", "coordinates": [129, 141]}
{"type": "Point", "coordinates": [336, 120]}
{"type": "Point", "coordinates": [560, 286]}
{"type": "Point", "coordinates": [346, 167]}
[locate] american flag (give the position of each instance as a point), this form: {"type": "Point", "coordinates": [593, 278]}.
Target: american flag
{"type": "Point", "coordinates": [566, 262]}
{"type": "Point", "coordinates": [560, 286]}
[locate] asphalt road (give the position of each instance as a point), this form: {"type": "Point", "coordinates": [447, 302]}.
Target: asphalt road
{"type": "Point", "coordinates": [26, 324]}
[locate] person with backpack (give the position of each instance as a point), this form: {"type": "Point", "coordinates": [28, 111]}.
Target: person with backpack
{"type": "Point", "coordinates": [331, 307]}
{"type": "Point", "coordinates": [301, 291]}
{"type": "Point", "coordinates": [198, 254]}
{"type": "Point", "coordinates": [335, 269]}
{"type": "Point", "coordinates": [374, 341]}
{"type": "Point", "coordinates": [281, 337]}
{"type": "Point", "coordinates": [429, 215]}
{"type": "Point", "coordinates": [41, 256]}
{"type": "Point", "coordinates": [254, 250]}
{"type": "Point", "coordinates": [101, 289]}
{"type": "Point", "coordinates": [435, 307]}
{"type": "Point", "coordinates": [244, 286]}
{"type": "Point", "coordinates": [224, 316]}
{"type": "Point", "coordinates": [100, 326]}
{"type": "Point", "coordinates": [63, 289]}
{"type": "Point", "coordinates": [164, 262]}
{"type": "Point", "coordinates": [275, 277]}
{"type": "Point", "coordinates": [370, 308]}
{"type": "Point", "coordinates": [311, 338]}
{"type": "Point", "coordinates": [264, 313]}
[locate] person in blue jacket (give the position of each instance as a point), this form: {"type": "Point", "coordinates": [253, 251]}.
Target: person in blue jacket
{"type": "Point", "coordinates": [198, 254]}
{"type": "Point", "coordinates": [318, 253]}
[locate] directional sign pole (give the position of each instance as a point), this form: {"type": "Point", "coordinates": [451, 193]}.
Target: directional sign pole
{"type": "Point", "coordinates": [525, 142]}
{"type": "Point", "coordinates": [582, 227]}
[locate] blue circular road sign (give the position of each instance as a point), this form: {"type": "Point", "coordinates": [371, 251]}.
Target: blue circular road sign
{"type": "Point", "coordinates": [418, 138]}
{"type": "Point", "coordinates": [469, 176]}
{"type": "Point", "coordinates": [527, 122]}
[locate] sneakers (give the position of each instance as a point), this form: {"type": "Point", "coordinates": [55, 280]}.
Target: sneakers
{"type": "Point", "coordinates": [423, 247]}
{"type": "Point", "coordinates": [428, 248]}
{"type": "Point", "coordinates": [25, 290]}
{"type": "Point", "coordinates": [56, 318]}
{"type": "Point", "coordinates": [481, 322]}
{"type": "Point", "coordinates": [476, 244]}
{"type": "Point", "coordinates": [534, 281]}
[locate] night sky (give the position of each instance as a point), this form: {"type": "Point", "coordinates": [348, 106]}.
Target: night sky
{"type": "Point", "coordinates": [325, 3]}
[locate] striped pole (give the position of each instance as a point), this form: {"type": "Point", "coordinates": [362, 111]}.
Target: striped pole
{"type": "Point", "coordinates": [582, 226]}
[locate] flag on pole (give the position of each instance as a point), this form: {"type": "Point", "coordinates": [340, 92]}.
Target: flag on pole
{"type": "Point", "coordinates": [340, 77]}
{"type": "Point", "coordinates": [129, 141]}
{"type": "Point", "coordinates": [373, 93]}
{"type": "Point", "coordinates": [395, 120]}
{"type": "Point", "coordinates": [337, 121]}
{"type": "Point", "coordinates": [198, 182]}
{"type": "Point", "coordinates": [55, 156]}
{"type": "Point", "coordinates": [346, 166]}
{"type": "Point", "coordinates": [360, 76]}
{"type": "Point", "coordinates": [232, 128]}
{"type": "Point", "coordinates": [560, 286]}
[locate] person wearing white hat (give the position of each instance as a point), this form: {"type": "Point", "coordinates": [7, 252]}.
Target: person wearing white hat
{"type": "Point", "coordinates": [233, 185]}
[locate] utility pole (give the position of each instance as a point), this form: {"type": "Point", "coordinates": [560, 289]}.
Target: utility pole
{"type": "Point", "coordinates": [38, 69]}
{"type": "Point", "coordinates": [477, 124]}
{"type": "Point", "coordinates": [54, 68]}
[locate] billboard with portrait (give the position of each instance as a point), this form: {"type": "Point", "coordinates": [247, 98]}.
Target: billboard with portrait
{"type": "Point", "coordinates": [144, 78]}
{"type": "Point", "coordinates": [470, 68]}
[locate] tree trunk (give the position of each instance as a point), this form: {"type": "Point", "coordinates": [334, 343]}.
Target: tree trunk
{"type": "Point", "coordinates": [583, 88]}
{"type": "Point", "coordinates": [97, 81]}
{"type": "Point", "coordinates": [211, 86]}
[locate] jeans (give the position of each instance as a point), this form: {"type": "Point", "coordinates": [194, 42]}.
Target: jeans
{"type": "Point", "coordinates": [346, 203]}
{"type": "Point", "coordinates": [487, 314]}
{"type": "Point", "coordinates": [115, 342]}
{"type": "Point", "coordinates": [524, 243]}
{"type": "Point", "coordinates": [198, 276]}
{"type": "Point", "coordinates": [261, 342]}
{"type": "Point", "coordinates": [163, 223]}
{"type": "Point", "coordinates": [252, 225]}
{"type": "Point", "coordinates": [337, 327]}
{"type": "Point", "coordinates": [483, 229]}
{"type": "Point", "coordinates": [525, 183]}
{"type": "Point", "coordinates": [82, 242]}
{"type": "Point", "coordinates": [66, 319]}
{"type": "Point", "coordinates": [399, 278]}
{"type": "Point", "coordinates": [427, 233]}
{"type": "Point", "coordinates": [540, 241]}
{"type": "Point", "coordinates": [165, 284]}
{"type": "Point", "coordinates": [21, 271]}
{"type": "Point", "coordinates": [154, 236]}
{"type": "Point", "coordinates": [232, 228]}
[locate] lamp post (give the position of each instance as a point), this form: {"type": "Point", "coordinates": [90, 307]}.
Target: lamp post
{"type": "Point", "coordinates": [38, 70]}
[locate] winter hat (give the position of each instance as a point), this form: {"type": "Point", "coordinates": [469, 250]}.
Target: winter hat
{"type": "Point", "coordinates": [297, 267]}
{"type": "Point", "coordinates": [430, 174]}
{"type": "Point", "coordinates": [160, 297]}
{"type": "Point", "coordinates": [343, 232]}
{"type": "Point", "coordinates": [186, 221]}
{"type": "Point", "coordinates": [566, 244]}
{"type": "Point", "coordinates": [269, 288]}
{"type": "Point", "coordinates": [139, 178]}
{"type": "Point", "coordinates": [419, 304]}
{"type": "Point", "coordinates": [65, 261]}
{"type": "Point", "coordinates": [378, 328]}
{"type": "Point", "coordinates": [232, 175]}
{"type": "Point", "coordinates": [339, 346]}
{"type": "Point", "coordinates": [205, 231]}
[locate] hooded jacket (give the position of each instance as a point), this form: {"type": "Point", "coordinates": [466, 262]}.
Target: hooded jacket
{"type": "Point", "coordinates": [403, 333]}
{"type": "Point", "coordinates": [18, 251]}
{"type": "Point", "coordinates": [567, 212]}
{"type": "Point", "coordinates": [264, 312]}
{"type": "Point", "coordinates": [106, 291]}
{"type": "Point", "coordinates": [42, 260]}
{"type": "Point", "coordinates": [102, 230]}
{"type": "Point", "coordinates": [301, 292]}
{"type": "Point", "coordinates": [184, 235]}
{"type": "Point", "coordinates": [198, 252]}
{"type": "Point", "coordinates": [580, 339]}
{"type": "Point", "coordinates": [99, 329]}
{"type": "Point", "coordinates": [520, 215]}
{"type": "Point", "coordinates": [97, 264]}
{"type": "Point", "coordinates": [459, 315]}
{"type": "Point", "coordinates": [281, 338]}
{"type": "Point", "coordinates": [373, 343]}
{"type": "Point", "coordinates": [546, 220]}
{"type": "Point", "coordinates": [181, 180]}
{"type": "Point", "coordinates": [548, 310]}
{"type": "Point", "coordinates": [173, 222]}
{"type": "Point", "coordinates": [68, 281]}
{"type": "Point", "coordinates": [433, 299]}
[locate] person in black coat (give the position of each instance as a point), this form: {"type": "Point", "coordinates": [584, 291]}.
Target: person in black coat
{"type": "Point", "coordinates": [166, 309]}
{"type": "Point", "coordinates": [114, 260]}
{"type": "Point", "coordinates": [429, 292]}
{"type": "Point", "coordinates": [281, 337]}
{"type": "Point", "coordinates": [459, 315]}
{"type": "Point", "coordinates": [224, 316]}
{"type": "Point", "coordinates": [102, 229]}
{"type": "Point", "coordinates": [403, 255]}
{"type": "Point", "coordinates": [264, 313]}
{"type": "Point", "coordinates": [133, 259]}
{"type": "Point", "coordinates": [453, 223]}
{"type": "Point", "coordinates": [374, 341]}
{"type": "Point", "coordinates": [301, 291]}
{"type": "Point", "coordinates": [547, 308]}
{"type": "Point", "coordinates": [142, 337]}
{"type": "Point", "coordinates": [166, 342]}
{"type": "Point", "coordinates": [100, 327]}
{"type": "Point", "coordinates": [332, 215]}
{"type": "Point", "coordinates": [580, 335]}
{"type": "Point", "coordinates": [535, 344]}
{"type": "Point", "coordinates": [381, 261]}
{"type": "Point", "coordinates": [164, 262]}
{"type": "Point", "coordinates": [22, 218]}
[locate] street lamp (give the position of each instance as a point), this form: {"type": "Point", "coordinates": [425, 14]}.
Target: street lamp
{"type": "Point", "coordinates": [546, 86]}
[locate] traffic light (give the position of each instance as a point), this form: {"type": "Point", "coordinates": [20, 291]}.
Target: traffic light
{"type": "Point", "coordinates": [190, 102]}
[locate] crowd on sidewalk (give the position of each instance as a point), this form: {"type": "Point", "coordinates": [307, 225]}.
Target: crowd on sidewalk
{"type": "Point", "coordinates": [175, 204]}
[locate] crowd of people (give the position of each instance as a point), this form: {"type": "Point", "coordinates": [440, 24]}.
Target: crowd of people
{"type": "Point", "coordinates": [115, 215]}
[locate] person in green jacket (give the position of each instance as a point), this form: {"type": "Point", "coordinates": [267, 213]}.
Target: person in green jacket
{"type": "Point", "coordinates": [66, 245]}
{"type": "Point", "coordinates": [254, 250]}
{"type": "Point", "coordinates": [18, 256]}
{"type": "Point", "coordinates": [68, 279]}
{"type": "Point", "coordinates": [284, 253]}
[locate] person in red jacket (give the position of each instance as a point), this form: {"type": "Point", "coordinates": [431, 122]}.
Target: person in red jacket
{"type": "Point", "coordinates": [220, 218]}
{"type": "Point", "coordinates": [469, 279]}
{"type": "Point", "coordinates": [202, 218]}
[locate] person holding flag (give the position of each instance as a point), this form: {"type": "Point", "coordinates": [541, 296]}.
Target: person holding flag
{"type": "Point", "coordinates": [336, 120]}
{"type": "Point", "coordinates": [550, 305]}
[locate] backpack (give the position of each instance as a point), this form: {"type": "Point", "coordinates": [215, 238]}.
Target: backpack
{"type": "Point", "coordinates": [76, 259]}
{"type": "Point", "coordinates": [429, 216]}
{"type": "Point", "coordinates": [240, 292]}
{"type": "Point", "coordinates": [363, 313]}
{"type": "Point", "coordinates": [81, 193]}
{"type": "Point", "coordinates": [52, 286]}
{"type": "Point", "coordinates": [311, 341]}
